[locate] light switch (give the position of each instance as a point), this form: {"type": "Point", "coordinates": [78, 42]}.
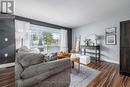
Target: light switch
{"type": "Point", "coordinates": [6, 55]}
{"type": "Point", "coordinates": [6, 39]}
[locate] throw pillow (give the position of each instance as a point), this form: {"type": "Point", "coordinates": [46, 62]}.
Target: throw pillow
{"type": "Point", "coordinates": [28, 59]}
{"type": "Point", "coordinates": [50, 57]}
{"type": "Point", "coordinates": [23, 49]}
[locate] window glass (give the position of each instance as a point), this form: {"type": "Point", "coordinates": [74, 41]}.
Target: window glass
{"type": "Point", "coordinates": [45, 41]}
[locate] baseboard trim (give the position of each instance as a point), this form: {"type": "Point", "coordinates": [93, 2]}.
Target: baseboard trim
{"type": "Point", "coordinates": [125, 73]}
{"type": "Point", "coordinates": [7, 65]}
{"type": "Point", "coordinates": [111, 61]}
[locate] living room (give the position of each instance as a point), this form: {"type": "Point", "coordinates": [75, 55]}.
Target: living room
{"type": "Point", "coordinates": [72, 43]}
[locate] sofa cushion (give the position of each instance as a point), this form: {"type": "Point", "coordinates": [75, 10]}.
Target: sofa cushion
{"type": "Point", "coordinates": [28, 59]}
{"type": "Point", "coordinates": [50, 57]}
{"type": "Point", "coordinates": [45, 67]}
{"type": "Point", "coordinates": [23, 49]}
{"type": "Point", "coordinates": [43, 76]}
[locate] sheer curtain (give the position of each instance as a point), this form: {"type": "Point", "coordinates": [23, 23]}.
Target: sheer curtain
{"type": "Point", "coordinates": [77, 44]}
{"type": "Point", "coordinates": [22, 30]}
{"type": "Point", "coordinates": [64, 41]}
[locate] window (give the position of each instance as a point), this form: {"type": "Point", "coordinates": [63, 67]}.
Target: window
{"type": "Point", "coordinates": [44, 38]}
{"type": "Point", "coordinates": [45, 41]}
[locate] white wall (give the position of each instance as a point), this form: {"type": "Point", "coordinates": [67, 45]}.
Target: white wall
{"type": "Point", "coordinates": [109, 53]}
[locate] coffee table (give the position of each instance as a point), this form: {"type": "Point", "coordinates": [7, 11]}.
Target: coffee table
{"type": "Point", "coordinates": [77, 60]}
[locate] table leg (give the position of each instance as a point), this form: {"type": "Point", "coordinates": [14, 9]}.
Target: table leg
{"type": "Point", "coordinates": [78, 67]}
{"type": "Point", "coordinates": [72, 64]}
{"type": "Point", "coordinates": [78, 61]}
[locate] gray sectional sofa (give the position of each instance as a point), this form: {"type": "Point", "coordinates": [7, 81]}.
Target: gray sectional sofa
{"type": "Point", "coordinates": [36, 70]}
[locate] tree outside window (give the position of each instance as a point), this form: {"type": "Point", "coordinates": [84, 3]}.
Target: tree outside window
{"type": "Point", "coordinates": [47, 38]}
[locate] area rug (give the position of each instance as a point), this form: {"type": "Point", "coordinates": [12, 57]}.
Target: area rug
{"type": "Point", "coordinates": [83, 78]}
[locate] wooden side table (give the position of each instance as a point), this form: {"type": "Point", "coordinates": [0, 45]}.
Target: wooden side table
{"type": "Point", "coordinates": [77, 60]}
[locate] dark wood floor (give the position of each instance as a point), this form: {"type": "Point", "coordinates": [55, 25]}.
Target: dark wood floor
{"type": "Point", "coordinates": [7, 77]}
{"type": "Point", "coordinates": [109, 76]}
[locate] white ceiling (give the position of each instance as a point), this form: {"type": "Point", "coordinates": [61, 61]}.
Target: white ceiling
{"type": "Point", "coordinates": [70, 13]}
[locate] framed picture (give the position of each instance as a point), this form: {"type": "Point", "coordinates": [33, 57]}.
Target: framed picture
{"type": "Point", "coordinates": [111, 39]}
{"type": "Point", "coordinates": [110, 31]}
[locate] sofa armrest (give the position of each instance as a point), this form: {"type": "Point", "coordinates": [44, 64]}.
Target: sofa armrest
{"type": "Point", "coordinates": [18, 71]}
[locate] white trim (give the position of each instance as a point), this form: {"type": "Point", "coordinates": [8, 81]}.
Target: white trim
{"type": "Point", "coordinates": [7, 65]}
{"type": "Point", "coordinates": [111, 61]}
